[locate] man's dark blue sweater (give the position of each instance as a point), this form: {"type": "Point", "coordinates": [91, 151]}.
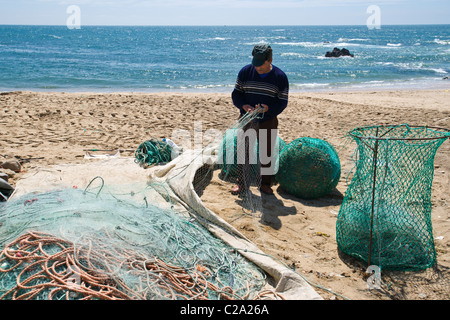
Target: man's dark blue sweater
{"type": "Point", "coordinates": [271, 89]}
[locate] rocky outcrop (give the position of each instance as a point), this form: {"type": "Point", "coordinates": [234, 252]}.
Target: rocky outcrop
{"type": "Point", "coordinates": [336, 53]}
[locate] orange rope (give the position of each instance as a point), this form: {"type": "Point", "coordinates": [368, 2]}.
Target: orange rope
{"type": "Point", "coordinates": [41, 272]}
{"type": "Point", "coordinates": [28, 251]}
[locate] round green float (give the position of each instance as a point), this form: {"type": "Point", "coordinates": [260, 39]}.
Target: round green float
{"type": "Point", "coordinates": [309, 168]}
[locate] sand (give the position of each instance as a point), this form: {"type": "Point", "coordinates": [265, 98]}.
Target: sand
{"type": "Point", "coordinates": [49, 128]}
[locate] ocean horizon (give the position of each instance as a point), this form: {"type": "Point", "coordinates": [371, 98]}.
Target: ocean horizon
{"type": "Point", "coordinates": [208, 58]}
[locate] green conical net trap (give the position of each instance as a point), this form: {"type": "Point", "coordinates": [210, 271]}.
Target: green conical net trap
{"type": "Point", "coordinates": [385, 218]}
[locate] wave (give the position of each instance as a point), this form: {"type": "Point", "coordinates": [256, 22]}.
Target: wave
{"type": "Point", "coordinates": [328, 44]}
{"type": "Point", "coordinates": [302, 44]}
{"type": "Point", "coordinates": [310, 86]}
{"type": "Point", "coordinates": [354, 39]}
{"type": "Point", "coordinates": [20, 50]}
{"type": "Point", "coordinates": [443, 42]}
{"type": "Point", "coordinates": [294, 54]}
{"type": "Point", "coordinates": [346, 44]}
{"type": "Point", "coordinates": [438, 70]}
{"type": "Point", "coordinates": [214, 39]}
{"type": "Point", "coordinates": [413, 66]}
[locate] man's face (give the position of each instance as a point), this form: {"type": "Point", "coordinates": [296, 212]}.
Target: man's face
{"type": "Point", "coordinates": [265, 68]}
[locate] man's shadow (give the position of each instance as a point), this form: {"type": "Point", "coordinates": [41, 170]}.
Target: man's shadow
{"type": "Point", "coordinates": [334, 198]}
{"type": "Point", "coordinates": [268, 208]}
{"type": "Point", "coordinates": [272, 209]}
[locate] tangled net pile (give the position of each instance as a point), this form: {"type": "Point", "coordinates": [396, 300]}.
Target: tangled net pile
{"type": "Point", "coordinates": [385, 218]}
{"type": "Point", "coordinates": [152, 152]}
{"type": "Point", "coordinates": [74, 244]}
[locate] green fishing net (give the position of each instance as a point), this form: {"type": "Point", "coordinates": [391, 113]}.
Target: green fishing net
{"type": "Point", "coordinates": [385, 218]}
{"type": "Point", "coordinates": [231, 153]}
{"type": "Point", "coordinates": [153, 152]}
{"type": "Point", "coordinates": [309, 168]}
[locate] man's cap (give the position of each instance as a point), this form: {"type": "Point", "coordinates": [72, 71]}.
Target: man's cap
{"type": "Point", "coordinates": [260, 54]}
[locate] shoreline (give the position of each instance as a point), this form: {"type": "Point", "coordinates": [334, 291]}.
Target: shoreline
{"type": "Point", "coordinates": [375, 85]}
{"type": "Point", "coordinates": [443, 87]}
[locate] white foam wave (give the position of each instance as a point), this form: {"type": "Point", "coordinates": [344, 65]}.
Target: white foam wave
{"type": "Point", "coordinates": [301, 44]}
{"type": "Point", "coordinates": [214, 39]}
{"type": "Point", "coordinates": [443, 42]}
{"type": "Point", "coordinates": [293, 54]}
{"type": "Point", "coordinates": [343, 44]}
{"type": "Point", "coordinates": [354, 39]}
{"type": "Point", "coordinates": [310, 85]}
{"type": "Point", "coordinates": [413, 66]}
{"type": "Point", "coordinates": [374, 82]}
{"type": "Point", "coordinates": [438, 70]}
{"type": "Point", "coordinates": [346, 44]}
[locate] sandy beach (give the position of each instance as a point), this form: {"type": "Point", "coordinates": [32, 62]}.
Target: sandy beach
{"type": "Point", "coordinates": [48, 128]}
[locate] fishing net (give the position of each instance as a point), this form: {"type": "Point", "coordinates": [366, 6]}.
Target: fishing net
{"type": "Point", "coordinates": [153, 152]}
{"type": "Point", "coordinates": [230, 155]}
{"type": "Point", "coordinates": [385, 218]}
{"type": "Point", "coordinates": [132, 232]}
{"type": "Point", "coordinates": [81, 245]}
{"type": "Point", "coordinates": [309, 168]}
{"type": "Point", "coordinates": [244, 157]}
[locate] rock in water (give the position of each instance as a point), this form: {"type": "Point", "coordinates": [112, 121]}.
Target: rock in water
{"type": "Point", "coordinates": [336, 53]}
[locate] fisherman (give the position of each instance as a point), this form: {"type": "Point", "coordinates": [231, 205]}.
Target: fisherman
{"type": "Point", "coordinates": [260, 87]}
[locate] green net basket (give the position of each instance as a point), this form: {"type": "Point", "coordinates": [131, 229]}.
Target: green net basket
{"type": "Point", "coordinates": [385, 218]}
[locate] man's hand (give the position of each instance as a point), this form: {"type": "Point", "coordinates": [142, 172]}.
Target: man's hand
{"type": "Point", "coordinates": [248, 108]}
{"type": "Point", "coordinates": [262, 107]}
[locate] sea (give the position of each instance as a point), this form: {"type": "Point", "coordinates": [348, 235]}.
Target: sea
{"type": "Point", "coordinates": [208, 58]}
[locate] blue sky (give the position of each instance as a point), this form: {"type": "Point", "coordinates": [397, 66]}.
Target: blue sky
{"type": "Point", "coordinates": [224, 12]}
